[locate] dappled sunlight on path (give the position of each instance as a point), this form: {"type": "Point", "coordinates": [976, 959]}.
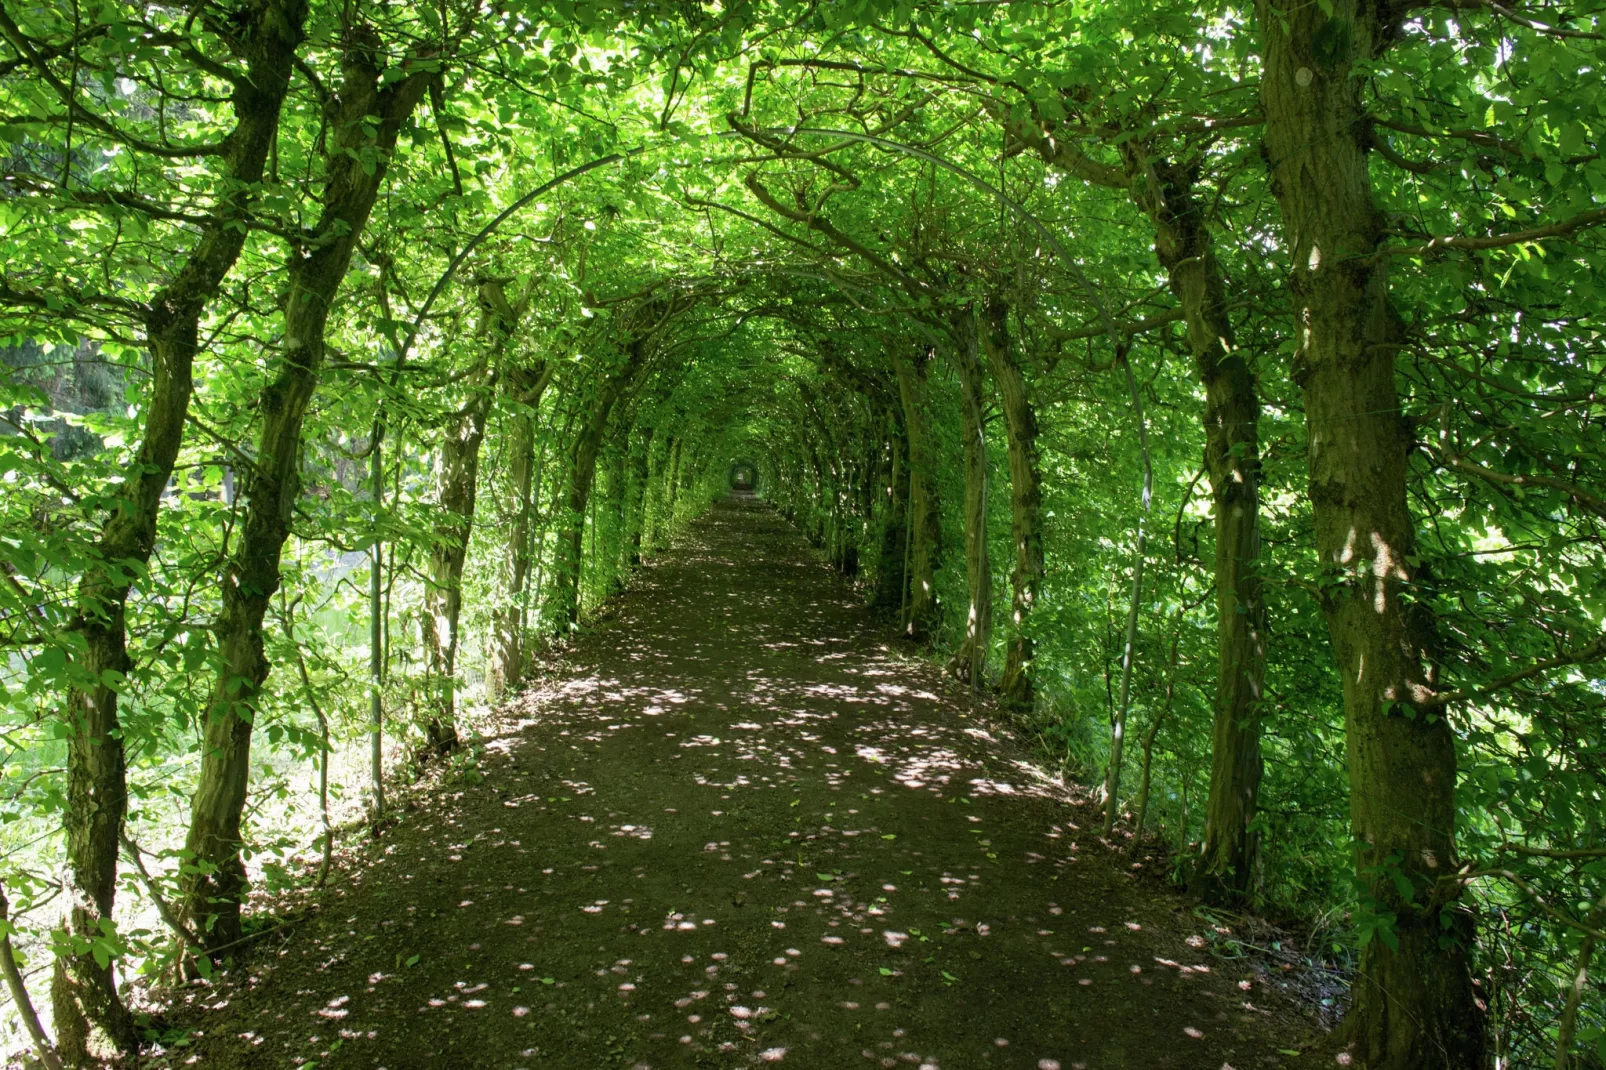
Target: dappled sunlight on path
{"type": "Point", "coordinates": [738, 829]}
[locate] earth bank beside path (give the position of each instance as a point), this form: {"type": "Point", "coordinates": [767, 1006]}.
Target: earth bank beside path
{"type": "Point", "coordinates": [736, 828]}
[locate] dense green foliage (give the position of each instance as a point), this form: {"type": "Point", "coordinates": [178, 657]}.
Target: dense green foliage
{"type": "Point", "coordinates": [902, 261]}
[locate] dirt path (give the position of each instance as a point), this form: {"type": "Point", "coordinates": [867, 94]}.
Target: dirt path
{"type": "Point", "coordinates": [737, 830]}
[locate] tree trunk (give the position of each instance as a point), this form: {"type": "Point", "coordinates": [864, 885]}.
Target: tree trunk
{"type": "Point", "coordinates": [653, 496]}
{"type": "Point", "coordinates": [970, 661]}
{"type": "Point", "coordinates": [525, 387]}
{"type": "Point", "coordinates": [890, 580]}
{"type": "Point", "coordinates": [1232, 458]}
{"type": "Point", "coordinates": [376, 631]}
{"type": "Point", "coordinates": [565, 604]}
{"type": "Point", "coordinates": [641, 477]}
{"type": "Point", "coordinates": [921, 616]}
{"type": "Point", "coordinates": [615, 539]}
{"type": "Point", "coordinates": [1025, 499]}
{"type": "Point", "coordinates": [506, 667]}
{"type": "Point", "coordinates": [1412, 1002]}
{"type": "Point", "coordinates": [673, 487]}
{"type": "Point", "coordinates": [363, 136]}
{"type": "Point", "coordinates": [90, 1017]}
{"type": "Point", "coordinates": [457, 469]}
{"type": "Point", "coordinates": [507, 645]}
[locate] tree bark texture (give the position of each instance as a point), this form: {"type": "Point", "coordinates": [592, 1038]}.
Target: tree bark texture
{"type": "Point", "coordinates": [970, 661]}
{"type": "Point", "coordinates": [507, 660]}
{"type": "Point", "coordinates": [641, 480]}
{"type": "Point", "coordinates": [89, 1015]}
{"type": "Point", "coordinates": [1025, 499]}
{"type": "Point", "coordinates": [457, 471]}
{"type": "Point", "coordinates": [618, 499]}
{"type": "Point", "coordinates": [1232, 459]}
{"type": "Point", "coordinates": [1412, 1002]}
{"type": "Point", "coordinates": [363, 135]}
{"type": "Point", "coordinates": [523, 387]}
{"type": "Point", "coordinates": [582, 475]}
{"type": "Point", "coordinates": [674, 482]}
{"type": "Point", "coordinates": [894, 509]}
{"type": "Point", "coordinates": [921, 614]}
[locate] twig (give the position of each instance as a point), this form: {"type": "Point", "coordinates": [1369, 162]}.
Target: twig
{"type": "Point", "coordinates": [1592, 218]}
{"type": "Point", "coordinates": [19, 992]}
{"type": "Point", "coordinates": [1590, 652]}
{"type": "Point", "coordinates": [163, 908]}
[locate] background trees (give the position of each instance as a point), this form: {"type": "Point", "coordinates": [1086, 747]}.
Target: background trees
{"type": "Point", "coordinates": [303, 464]}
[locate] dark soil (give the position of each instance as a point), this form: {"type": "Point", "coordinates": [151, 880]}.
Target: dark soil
{"type": "Point", "coordinates": [738, 828]}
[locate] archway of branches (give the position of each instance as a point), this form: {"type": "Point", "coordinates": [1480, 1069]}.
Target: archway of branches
{"type": "Point", "coordinates": [1218, 392]}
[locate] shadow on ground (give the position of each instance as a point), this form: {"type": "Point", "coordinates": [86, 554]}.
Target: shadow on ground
{"type": "Point", "coordinates": [738, 830]}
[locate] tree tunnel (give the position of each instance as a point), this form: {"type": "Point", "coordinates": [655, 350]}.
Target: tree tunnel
{"type": "Point", "coordinates": [1264, 466]}
{"type": "Point", "coordinates": [743, 477]}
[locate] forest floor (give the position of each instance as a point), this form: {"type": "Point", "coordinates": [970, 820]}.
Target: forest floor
{"type": "Point", "coordinates": [737, 827]}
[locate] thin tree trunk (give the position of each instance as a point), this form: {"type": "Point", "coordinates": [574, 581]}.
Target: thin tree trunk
{"type": "Point", "coordinates": [565, 601]}
{"type": "Point", "coordinates": [614, 540]}
{"type": "Point", "coordinates": [90, 1016]}
{"type": "Point", "coordinates": [363, 137]}
{"type": "Point", "coordinates": [970, 661]}
{"type": "Point", "coordinates": [19, 992]}
{"type": "Point", "coordinates": [1232, 457]}
{"type": "Point", "coordinates": [1566, 1027]}
{"type": "Point", "coordinates": [509, 620]}
{"type": "Point", "coordinates": [892, 568]}
{"type": "Point", "coordinates": [1164, 190]}
{"type": "Point", "coordinates": [652, 497]}
{"type": "Point", "coordinates": [1413, 1003]}
{"type": "Point", "coordinates": [674, 481]}
{"type": "Point", "coordinates": [1112, 773]}
{"type": "Point", "coordinates": [328, 838]}
{"type": "Point", "coordinates": [457, 489]}
{"type": "Point", "coordinates": [1025, 497]}
{"type": "Point", "coordinates": [1153, 731]}
{"type": "Point", "coordinates": [642, 477]}
{"type": "Point", "coordinates": [922, 615]}
{"type": "Point", "coordinates": [376, 649]}
{"type": "Point", "coordinates": [506, 667]}
{"type": "Point", "coordinates": [457, 470]}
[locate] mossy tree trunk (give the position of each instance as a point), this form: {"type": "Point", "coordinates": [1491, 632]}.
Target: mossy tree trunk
{"type": "Point", "coordinates": [1232, 459]}
{"type": "Point", "coordinates": [921, 613]}
{"type": "Point", "coordinates": [1025, 499]}
{"type": "Point", "coordinates": [640, 483]}
{"type": "Point", "coordinates": [564, 607]}
{"type": "Point", "coordinates": [893, 484]}
{"type": "Point", "coordinates": [457, 471]}
{"type": "Point", "coordinates": [370, 113]}
{"type": "Point", "coordinates": [970, 660]}
{"type": "Point", "coordinates": [1413, 1002]}
{"type": "Point", "coordinates": [90, 1017]}
{"type": "Point", "coordinates": [523, 387]}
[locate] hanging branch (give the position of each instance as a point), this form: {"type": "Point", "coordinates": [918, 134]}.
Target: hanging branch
{"type": "Point", "coordinates": [486, 231]}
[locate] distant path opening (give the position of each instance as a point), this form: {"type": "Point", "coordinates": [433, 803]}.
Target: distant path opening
{"type": "Point", "coordinates": [744, 478]}
{"type": "Point", "coordinates": [737, 829]}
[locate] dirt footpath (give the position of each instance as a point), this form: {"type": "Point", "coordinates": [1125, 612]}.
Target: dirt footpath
{"type": "Point", "coordinates": [738, 829]}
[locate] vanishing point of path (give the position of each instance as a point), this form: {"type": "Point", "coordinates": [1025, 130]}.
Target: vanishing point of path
{"type": "Point", "coordinates": [737, 829]}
